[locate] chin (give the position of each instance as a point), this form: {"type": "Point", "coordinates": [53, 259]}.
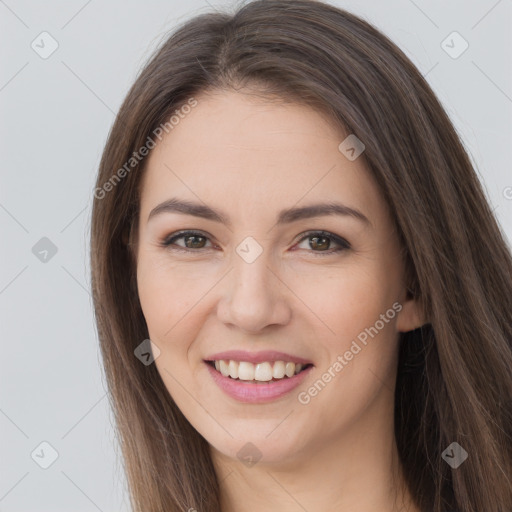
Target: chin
{"type": "Point", "coordinates": [256, 446]}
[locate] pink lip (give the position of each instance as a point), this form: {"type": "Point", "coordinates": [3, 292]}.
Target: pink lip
{"type": "Point", "coordinates": [250, 392]}
{"type": "Point", "coordinates": [256, 357]}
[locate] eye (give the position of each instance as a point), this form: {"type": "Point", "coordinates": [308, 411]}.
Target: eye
{"type": "Point", "coordinates": [322, 240]}
{"type": "Point", "coordinates": [194, 241]}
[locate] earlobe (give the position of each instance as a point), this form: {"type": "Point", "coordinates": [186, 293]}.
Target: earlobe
{"type": "Point", "coordinates": [410, 316]}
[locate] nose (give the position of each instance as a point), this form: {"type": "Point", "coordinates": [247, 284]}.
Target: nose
{"type": "Point", "coordinates": [254, 297]}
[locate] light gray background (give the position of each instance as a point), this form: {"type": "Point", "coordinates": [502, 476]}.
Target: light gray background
{"type": "Point", "coordinates": [55, 115]}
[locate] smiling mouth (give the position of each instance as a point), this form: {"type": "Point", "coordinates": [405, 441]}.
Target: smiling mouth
{"type": "Point", "coordinates": [259, 373]}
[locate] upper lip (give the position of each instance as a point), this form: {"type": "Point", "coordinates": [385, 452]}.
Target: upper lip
{"type": "Point", "coordinates": [257, 357]}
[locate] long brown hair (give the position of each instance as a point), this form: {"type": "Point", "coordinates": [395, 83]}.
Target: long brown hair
{"type": "Point", "coordinates": [454, 380]}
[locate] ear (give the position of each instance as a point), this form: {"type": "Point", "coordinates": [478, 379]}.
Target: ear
{"type": "Point", "coordinates": [411, 315]}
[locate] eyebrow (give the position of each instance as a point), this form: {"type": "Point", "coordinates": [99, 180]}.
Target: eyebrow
{"type": "Point", "coordinates": [285, 216]}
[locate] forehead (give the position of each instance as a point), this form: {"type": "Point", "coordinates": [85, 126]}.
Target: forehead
{"type": "Point", "coordinates": [242, 152]}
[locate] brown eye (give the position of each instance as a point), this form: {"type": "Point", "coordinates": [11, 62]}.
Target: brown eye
{"type": "Point", "coordinates": [194, 241]}
{"type": "Point", "coordinates": [321, 241]}
{"type": "Point", "coordinates": [191, 241]}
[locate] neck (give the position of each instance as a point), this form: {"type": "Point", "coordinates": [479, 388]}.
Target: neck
{"type": "Point", "coordinates": [357, 470]}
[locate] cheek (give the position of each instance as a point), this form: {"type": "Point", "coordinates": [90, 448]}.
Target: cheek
{"type": "Point", "coordinates": [169, 295]}
{"type": "Point", "coordinates": [359, 361]}
{"type": "Point", "coordinates": [170, 301]}
{"type": "Point", "coordinates": [348, 300]}
{"type": "Point", "coordinates": [358, 339]}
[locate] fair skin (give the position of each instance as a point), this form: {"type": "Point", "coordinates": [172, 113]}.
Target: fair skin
{"type": "Point", "coordinates": [249, 159]}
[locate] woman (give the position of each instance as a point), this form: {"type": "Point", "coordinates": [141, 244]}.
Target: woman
{"type": "Point", "coordinates": [302, 296]}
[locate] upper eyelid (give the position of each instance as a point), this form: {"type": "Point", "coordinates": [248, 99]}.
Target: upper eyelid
{"type": "Point", "coordinates": [185, 232]}
{"type": "Point", "coordinates": [300, 237]}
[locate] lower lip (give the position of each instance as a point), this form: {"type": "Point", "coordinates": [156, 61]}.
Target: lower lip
{"type": "Point", "coordinates": [250, 392]}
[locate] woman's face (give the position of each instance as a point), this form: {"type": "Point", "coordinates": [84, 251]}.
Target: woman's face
{"type": "Point", "coordinates": [258, 280]}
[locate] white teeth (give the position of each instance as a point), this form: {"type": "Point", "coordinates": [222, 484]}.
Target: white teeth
{"type": "Point", "coordinates": [263, 371]}
{"type": "Point", "coordinates": [245, 371]}
{"type": "Point", "coordinates": [224, 368]}
{"type": "Point", "coordinates": [278, 370]}
{"type": "Point", "coordinates": [233, 370]}
{"type": "Point", "coordinates": [260, 372]}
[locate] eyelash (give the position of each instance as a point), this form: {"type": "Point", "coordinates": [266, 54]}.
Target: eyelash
{"type": "Point", "coordinates": [168, 243]}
